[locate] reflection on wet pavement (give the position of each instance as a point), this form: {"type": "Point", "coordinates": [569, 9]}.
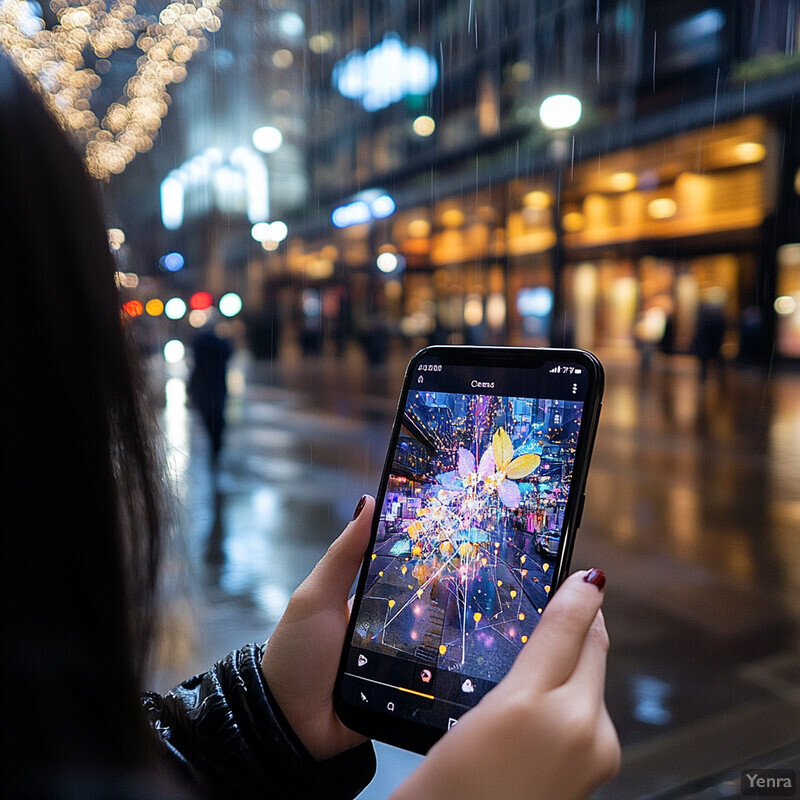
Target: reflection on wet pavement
{"type": "Point", "coordinates": [693, 512]}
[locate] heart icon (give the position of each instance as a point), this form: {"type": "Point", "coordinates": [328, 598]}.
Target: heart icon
{"type": "Point", "coordinates": [53, 58]}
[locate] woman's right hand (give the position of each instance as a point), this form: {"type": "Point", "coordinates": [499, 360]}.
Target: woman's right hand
{"type": "Point", "coordinates": [544, 730]}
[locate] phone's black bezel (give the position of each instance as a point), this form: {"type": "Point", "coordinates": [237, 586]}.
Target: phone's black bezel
{"type": "Point", "coordinates": [399, 731]}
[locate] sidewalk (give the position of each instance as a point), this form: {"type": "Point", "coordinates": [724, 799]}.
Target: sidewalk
{"type": "Point", "coordinates": [692, 510]}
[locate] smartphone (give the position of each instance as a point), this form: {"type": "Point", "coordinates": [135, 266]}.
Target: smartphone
{"type": "Point", "coordinates": [476, 514]}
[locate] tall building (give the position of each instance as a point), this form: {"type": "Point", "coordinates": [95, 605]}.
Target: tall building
{"type": "Point", "coordinates": [440, 203]}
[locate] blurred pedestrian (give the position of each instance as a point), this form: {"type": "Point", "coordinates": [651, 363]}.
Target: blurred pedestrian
{"type": "Point", "coordinates": [710, 329]}
{"type": "Point", "coordinates": [208, 389]}
{"type": "Point", "coordinates": [82, 497]}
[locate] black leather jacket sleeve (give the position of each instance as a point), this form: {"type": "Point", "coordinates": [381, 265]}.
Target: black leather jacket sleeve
{"type": "Point", "coordinates": [225, 729]}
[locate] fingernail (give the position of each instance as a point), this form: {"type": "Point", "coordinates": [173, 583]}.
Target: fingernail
{"type": "Point", "coordinates": [597, 577]}
{"type": "Point", "coordinates": [360, 507]}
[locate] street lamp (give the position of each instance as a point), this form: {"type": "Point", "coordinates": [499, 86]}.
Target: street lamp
{"type": "Point", "coordinates": [558, 113]}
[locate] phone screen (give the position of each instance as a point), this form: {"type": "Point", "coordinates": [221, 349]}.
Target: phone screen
{"type": "Point", "coordinates": [468, 545]}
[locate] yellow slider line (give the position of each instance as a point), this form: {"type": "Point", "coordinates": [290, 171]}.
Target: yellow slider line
{"type": "Point", "coordinates": [411, 691]}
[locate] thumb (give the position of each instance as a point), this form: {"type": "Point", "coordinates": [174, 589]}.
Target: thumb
{"type": "Point", "coordinates": [337, 569]}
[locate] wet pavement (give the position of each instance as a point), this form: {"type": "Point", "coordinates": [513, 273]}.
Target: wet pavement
{"type": "Point", "coordinates": [693, 512]}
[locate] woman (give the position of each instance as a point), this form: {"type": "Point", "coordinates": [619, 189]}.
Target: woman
{"type": "Point", "coordinates": [82, 496]}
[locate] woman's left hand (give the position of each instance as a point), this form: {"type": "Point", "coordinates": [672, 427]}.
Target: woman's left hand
{"type": "Point", "coordinates": [302, 655]}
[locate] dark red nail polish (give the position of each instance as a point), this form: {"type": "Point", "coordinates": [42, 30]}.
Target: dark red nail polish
{"type": "Point", "coordinates": [360, 507]}
{"type": "Point", "coordinates": [597, 577]}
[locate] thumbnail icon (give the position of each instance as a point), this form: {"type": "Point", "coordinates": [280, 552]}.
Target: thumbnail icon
{"type": "Point", "coordinates": [362, 659]}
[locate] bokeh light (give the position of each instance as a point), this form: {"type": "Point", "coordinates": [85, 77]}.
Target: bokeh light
{"type": "Point", "coordinates": [200, 301]}
{"type": "Point", "coordinates": [230, 304]}
{"type": "Point", "coordinates": [54, 57]}
{"type": "Point", "coordinates": [172, 262]}
{"type": "Point", "coordinates": [175, 308]}
{"type": "Point", "coordinates": [267, 139]}
{"type": "Point", "coordinates": [174, 351]}
{"type": "Point", "coordinates": [133, 308]}
{"type": "Point", "coordinates": [423, 125]}
{"type": "Point", "coordinates": [154, 307]}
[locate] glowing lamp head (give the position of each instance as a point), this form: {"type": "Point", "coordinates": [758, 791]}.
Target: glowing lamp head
{"type": "Point", "coordinates": [560, 111]}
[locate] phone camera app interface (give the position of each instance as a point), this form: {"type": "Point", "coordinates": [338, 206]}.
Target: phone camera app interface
{"type": "Point", "coordinates": [468, 536]}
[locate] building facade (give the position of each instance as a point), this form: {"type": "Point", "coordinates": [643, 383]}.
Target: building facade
{"type": "Point", "coordinates": [676, 190]}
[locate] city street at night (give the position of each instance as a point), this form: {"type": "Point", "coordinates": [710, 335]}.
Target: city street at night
{"type": "Point", "coordinates": [692, 512]}
{"type": "Point", "coordinates": [228, 230]}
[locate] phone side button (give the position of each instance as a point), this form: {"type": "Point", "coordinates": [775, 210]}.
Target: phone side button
{"type": "Point", "coordinates": [579, 516]}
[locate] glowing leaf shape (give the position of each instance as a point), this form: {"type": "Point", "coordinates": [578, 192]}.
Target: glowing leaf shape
{"type": "Point", "coordinates": [503, 449]}
{"type": "Point", "coordinates": [487, 465]}
{"type": "Point", "coordinates": [442, 649]}
{"type": "Point", "coordinates": [391, 604]}
{"type": "Point", "coordinates": [509, 494]}
{"type": "Point", "coordinates": [466, 462]}
{"type": "Point", "coordinates": [545, 567]}
{"type": "Point", "coordinates": [477, 617]}
{"type": "Point", "coordinates": [522, 466]}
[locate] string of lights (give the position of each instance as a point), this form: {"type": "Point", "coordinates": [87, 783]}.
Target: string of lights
{"type": "Point", "coordinates": [54, 59]}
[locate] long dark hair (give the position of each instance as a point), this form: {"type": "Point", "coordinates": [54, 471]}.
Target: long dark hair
{"type": "Point", "coordinates": [81, 484]}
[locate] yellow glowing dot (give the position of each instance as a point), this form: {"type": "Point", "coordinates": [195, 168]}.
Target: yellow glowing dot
{"type": "Point", "coordinates": [524, 639]}
{"type": "Point", "coordinates": [374, 556]}
{"type": "Point", "coordinates": [539, 610]}
{"type": "Point", "coordinates": [391, 604]}
{"type": "Point", "coordinates": [513, 593]}
{"type": "Point", "coordinates": [453, 218]}
{"type": "Point", "coordinates": [547, 589]}
{"type": "Point", "coordinates": [522, 559]}
{"type": "Point", "coordinates": [499, 583]}
{"type": "Point", "coordinates": [750, 151]}
{"type": "Point", "coordinates": [404, 569]}
{"type": "Point", "coordinates": [424, 125]}
{"type": "Point", "coordinates": [573, 221]}
{"type": "Point", "coordinates": [537, 200]}
{"type": "Point", "coordinates": [419, 228]}
{"type": "Point", "coordinates": [622, 181]}
{"type": "Point", "coordinates": [545, 567]}
{"type": "Point", "coordinates": [154, 307]}
{"type": "Point", "coordinates": [521, 617]}
{"type": "Point", "coordinates": [381, 573]}
{"type": "Point", "coordinates": [484, 561]}
{"type": "Point", "coordinates": [662, 208]}
{"type": "Point", "coordinates": [477, 617]}
{"type": "Point", "coordinates": [442, 649]}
